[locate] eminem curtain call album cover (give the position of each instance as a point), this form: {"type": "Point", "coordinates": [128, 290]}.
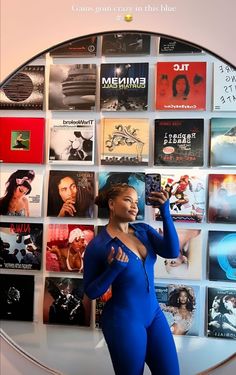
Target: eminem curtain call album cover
{"type": "Point", "coordinates": [124, 87]}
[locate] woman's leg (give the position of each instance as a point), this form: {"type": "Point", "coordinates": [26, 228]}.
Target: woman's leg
{"type": "Point", "coordinates": [127, 346]}
{"type": "Point", "coordinates": [161, 352]}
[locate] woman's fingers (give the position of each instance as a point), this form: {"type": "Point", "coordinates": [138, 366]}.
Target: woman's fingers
{"type": "Point", "coordinates": [121, 255]}
{"type": "Point", "coordinates": [111, 255]}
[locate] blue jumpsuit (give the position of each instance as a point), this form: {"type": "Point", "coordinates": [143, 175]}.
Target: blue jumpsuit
{"type": "Point", "coordinates": [134, 327]}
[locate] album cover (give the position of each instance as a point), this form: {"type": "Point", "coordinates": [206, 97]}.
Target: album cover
{"type": "Point", "coordinates": [22, 140]}
{"type": "Point", "coordinates": [125, 141]}
{"type": "Point", "coordinates": [25, 90]}
{"type": "Point", "coordinates": [188, 265]}
{"type": "Point", "coordinates": [181, 307]}
{"type": "Point", "coordinates": [65, 302]}
{"type": "Point", "coordinates": [77, 48]}
{"type": "Point", "coordinates": [105, 179]}
{"type": "Point", "coordinates": [187, 196]}
{"type": "Point", "coordinates": [71, 194]}
{"type": "Point", "coordinates": [223, 142]}
{"type": "Point", "coordinates": [21, 192]}
{"type": "Point", "coordinates": [124, 87]}
{"type": "Point", "coordinates": [125, 44]}
{"type": "Point", "coordinates": [72, 141]}
{"type": "Point", "coordinates": [222, 255]}
{"type": "Point", "coordinates": [21, 245]}
{"type": "Point", "coordinates": [168, 46]}
{"type": "Point", "coordinates": [72, 87]}
{"type": "Point", "coordinates": [181, 86]}
{"type": "Point", "coordinates": [179, 142]}
{"type": "Point", "coordinates": [221, 313]}
{"type": "Point", "coordinates": [100, 304]}
{"type": "Point", "coordinates": [224, 88]}
{"type": "Point", "coordinates": [66, 244]}
{"type": "Point", "coordinates": [222, 198]}
{"type": "Point", "coordinates": [17, 297]}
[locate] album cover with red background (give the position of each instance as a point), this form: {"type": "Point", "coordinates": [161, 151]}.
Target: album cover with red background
{"type": "Point", "coordinates": [22, 140]}
{"type": "Point", "coordinates": [181, 86]}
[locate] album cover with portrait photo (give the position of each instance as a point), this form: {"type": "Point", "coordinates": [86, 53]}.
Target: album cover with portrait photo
{"type": "Point", "coordinates": [21, 192]}
{"type": "Point", "coordinates": [124, 44]}
{"type": "Point", "coordinates": [221, 303]}
{"type": "Point", "coordinates": [70, 194]}
{"type": "Point", "coordinates": [187, 196]}
{"type": "Point", "coordinates": [124, 87]}
{"type": "Point", "coordinates": [181, 306]}
{"type": "Point", "coordinates": [85, 47]}
{"type": "Point", "coordinates": [125, 141]}
{"type": "Point", "coordinates": [65, 302]}
{"type": "Point", "coordinates": [66, 244]}
{"type": "Point", "coordinates": [21, 246]}
{"type": "Point", "coordinates": [25, 90]}
{"type": "Point", "coordinates": [71, 141]}
{"type": "Point", "coordinates": [17, 297]}
{"type": "Point", "coordinates": [179, 142]}
{"type": "Point", "coordinates": [23, 140]}
{"type": "Point", "coordinates": [223, 142]}
{"type": "Point", "coordinates": [222, 255]}
{"type": "Point", "coordinates": [188, 265]}
{"type": "Point", "coordinates": [72, 87]}
{"type": "Point", "coordinates": [136, 180]}
{"type": "Point", "coordinates": [181, 86]}
{"type": "Point", "coordinates": [222, 198]}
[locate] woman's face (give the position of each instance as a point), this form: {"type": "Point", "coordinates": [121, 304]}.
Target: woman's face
{"type": "Point", "coordinates": [183, 298]}
{"type": "Point", "coordinates": [216, 304]}
{"type": "Point", "coordinates": [20, 191]}
{"type": "Point", "coordinates": [228, 304]}
{"type": "Point", "coordinates": [125, 205]}
{"type": "Point", "coordinates": [180, 86]}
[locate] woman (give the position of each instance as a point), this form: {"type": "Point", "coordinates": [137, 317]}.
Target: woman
{"type": "Point", "coordinates": [229, 318]}
{"type": "Point", "coordinates": [123, 255]}
{"type": "Point", "coordinates": [181, 305]}
{"type": "Point", "coordinates": [15, 202]}
{"type": "Point", "coordinates": [180, 87]}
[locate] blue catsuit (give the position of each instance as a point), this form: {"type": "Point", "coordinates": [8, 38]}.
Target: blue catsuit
{"type": "Point", "coordinates": [134, 327]}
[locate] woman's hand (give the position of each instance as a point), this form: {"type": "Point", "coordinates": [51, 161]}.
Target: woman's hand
{"type": "Point", "coordinates": [158, 198]}
{"type": "Point", "coordinates": [121, 255]}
